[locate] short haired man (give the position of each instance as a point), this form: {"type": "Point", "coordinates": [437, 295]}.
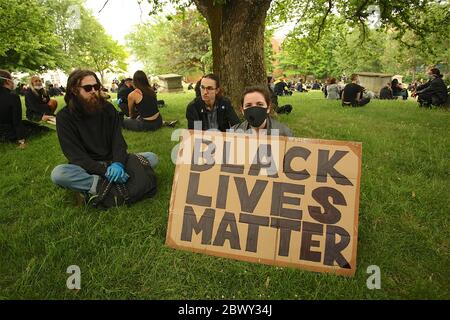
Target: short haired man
{"type": "Point", "coordinates": [352, 95]}
{"type": "Point", "coordinates": [89, 132]}
{"type": "Point", "coordinates": [211, 109]}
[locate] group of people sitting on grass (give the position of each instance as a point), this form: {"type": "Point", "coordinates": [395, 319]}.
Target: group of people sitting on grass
{"type": "Point", "coordinates": [432, 93]}
{"type": "Point", "coordinates": [89, 127]}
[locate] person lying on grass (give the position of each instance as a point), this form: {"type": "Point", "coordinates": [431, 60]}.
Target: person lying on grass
{"type": "Point", "coordinates": [256, 107]}
{"type": "Point", "coordinates": [89, 132]}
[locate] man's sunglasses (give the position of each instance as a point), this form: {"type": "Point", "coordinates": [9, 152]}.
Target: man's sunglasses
{"type": "Point", "coordinates": [88, 87]}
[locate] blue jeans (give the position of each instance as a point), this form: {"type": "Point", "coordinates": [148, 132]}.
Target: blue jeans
{"type": "Point", "coordinates": [74, 177]}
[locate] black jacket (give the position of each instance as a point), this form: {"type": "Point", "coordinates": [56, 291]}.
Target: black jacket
{"type": "Point", "coordinates": [85, 141]}
{"type": "Point", "coordinates": [226, 116]}
{"type": "Point", "coordinates": [435, 87]}
{"type": "Point", "coordinates": [386, 93]}
{"type": "Point", "coordinates": [36, 105]}
{"type": "Point", "coordinates": [11, 127]}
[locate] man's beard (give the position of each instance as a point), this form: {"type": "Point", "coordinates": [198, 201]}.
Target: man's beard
{"type": "Point", "coordinates": [91, 105]}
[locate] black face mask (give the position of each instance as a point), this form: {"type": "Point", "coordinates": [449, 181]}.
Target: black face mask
{"type": "Point", "coordinates": [255, 116]}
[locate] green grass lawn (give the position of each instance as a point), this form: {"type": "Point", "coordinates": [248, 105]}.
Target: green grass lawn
{"type": "Point", "coordinates": [403, 226]}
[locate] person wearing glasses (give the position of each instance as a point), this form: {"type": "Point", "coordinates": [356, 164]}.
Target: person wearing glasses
{"type": "Point", "coordinates": [12, 127]}
{"type": "Point", "coordinates": [89, 133]}
{"type": "Point", "coordinates": [211, 110]}
{"type": "Point", "coordinates": [38, 103]}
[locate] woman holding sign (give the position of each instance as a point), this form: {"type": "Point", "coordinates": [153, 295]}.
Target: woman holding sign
{"type": "Point", "coordinates": [256, 107]}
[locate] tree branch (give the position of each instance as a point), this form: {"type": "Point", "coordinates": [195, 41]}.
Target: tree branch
{"type": "Point", "coordinates": [104, 5]}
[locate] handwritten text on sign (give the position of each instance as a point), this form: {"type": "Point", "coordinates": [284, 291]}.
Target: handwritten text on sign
{"type": "Point", "coordinates": [268, 199]}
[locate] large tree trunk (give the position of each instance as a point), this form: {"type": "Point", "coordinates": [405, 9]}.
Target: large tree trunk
{"type": "Point", "coordinates": [237, 34]}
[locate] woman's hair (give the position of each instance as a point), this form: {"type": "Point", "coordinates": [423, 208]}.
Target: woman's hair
{"type": "Point", "coordinates": [436, 72]}
{"type": "Point", "coordinates": [263, 90]}
{"type": "Point", "coordinates": [332, 80]}
{"type": "Point", "coordinates": [140, 82]}
{"type": "Point", "coordinates": [3, 76]}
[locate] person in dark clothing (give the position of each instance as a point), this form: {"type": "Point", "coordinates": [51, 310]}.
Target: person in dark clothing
{"type": "Point", "coordinates": [279, 88]}
{"type": "Point", "coordinates": [38, 103]}
{"type": "Point", "coordinates": [125, 89]}
{"type": "Point", "coordinates": [386, 92]}
{"type": "Point", "coordinates": [211, 110]}
{"type": "Point", "coordinates": [352, 94]}
{"type": "Point", "coordinates": [434, 92]}
{"type": "Point", "coordinates": [287, 108]}
{"type": "Point", "coordinates": [398, 90]}
{"type": "Point", "coordinates": [89, 132]}
{"type": "Point", "coordinates": [197, 91]}
{"type": "Point", "coordinates": [142, 106]}
{"type": "Point", "coordinates": [54, 91]}
{"type": "Point", "coordinates": [12, 127]}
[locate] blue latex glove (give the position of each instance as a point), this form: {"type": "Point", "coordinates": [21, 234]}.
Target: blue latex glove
{"type": "Point", "coordinates": [123, 179]}
{"type": "Point", "coordinates": [115, 171]}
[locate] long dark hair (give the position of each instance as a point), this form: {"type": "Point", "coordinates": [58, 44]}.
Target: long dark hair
{"type": "Point", "coordinates": [140, 82]}
{"type": "Point", "coordinates": [72, 90]}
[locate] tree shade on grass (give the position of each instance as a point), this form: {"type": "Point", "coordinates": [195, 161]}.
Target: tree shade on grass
{"type": "Point", "coordinates": [403, 225]}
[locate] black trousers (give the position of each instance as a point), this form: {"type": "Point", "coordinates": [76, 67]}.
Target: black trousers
{"type": "Point", "coordinates": [26, 129]}
{"type": "Point", "coordinates": [360, 103]}
{"type": "Point", "coordinates": [143, 125]}
{"type": "Point", "coordinates": [428, 99]}
{"type": "Point", "coordinates": [124, 108]}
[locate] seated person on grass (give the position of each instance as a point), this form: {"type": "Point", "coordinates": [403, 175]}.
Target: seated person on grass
{"type": "Point", "coordinates": [125, 89]}
{"type": "Point", "coordinates": [398, 90]}
{"type": "Point", "coordinates": [38, 103]}
{"type": "Point", "coordinates": [434, 92]}
{"type": "Point", "coordinates": [211, 110]}
{"type": "Point", "coordinates": [352, 95]}
{"type": "Point", "coordinates": [12, 127]}
{"type": "Point", "coordinates": [89, 132]}
{"type": "Point", "coordinates": [256, 107]}
{"type": "Point", "coordinates": [386, 92]}
{"type": "Point", "coordinates": [143, 106]}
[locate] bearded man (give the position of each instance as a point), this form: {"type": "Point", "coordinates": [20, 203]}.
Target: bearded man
{"type": "Point", "coordinates": [38, 102]}
{"type": "Point", "coordinates": [89, 132]}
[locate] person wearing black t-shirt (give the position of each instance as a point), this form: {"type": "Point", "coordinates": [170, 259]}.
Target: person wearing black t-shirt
{"type": "Point", "coordinates": [352, 94]}
{"type": "Point", "coordinates": [89, 132]}
{"type": "Point", "coordinates": [142, 106]}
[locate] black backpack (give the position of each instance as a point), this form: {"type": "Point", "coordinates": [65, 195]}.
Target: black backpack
{"type": "Point", "coordinates": [141, 184]}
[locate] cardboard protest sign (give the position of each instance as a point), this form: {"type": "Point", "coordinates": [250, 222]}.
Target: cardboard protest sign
{"type": "Point", "coordinates": [267, 199]}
